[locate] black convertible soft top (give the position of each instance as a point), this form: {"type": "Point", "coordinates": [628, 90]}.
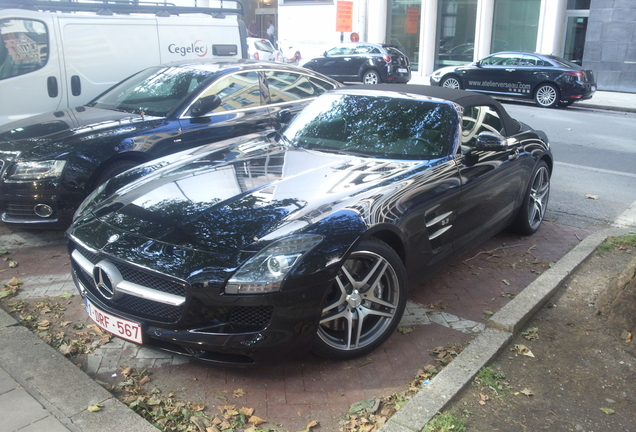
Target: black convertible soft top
{"type": "Point", "coordinates": [460, 97]}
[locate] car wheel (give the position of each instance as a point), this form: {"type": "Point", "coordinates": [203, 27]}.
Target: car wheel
{"type": "Point", "coordinates": [535, 202]}
{"type": "Point", "coordinates": [546, 96]}
{"type": "Point", "coordinates": [112, 170]}
{"type": "Point", "coordinates": [365, 303]}
{"type": "Point", "coordinates": [371, 77]}
{"type": "Point", "coordinates": [452, 82]}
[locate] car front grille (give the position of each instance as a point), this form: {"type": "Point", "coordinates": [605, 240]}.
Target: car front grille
{"type": "Point", "coordinates": [235, 319]}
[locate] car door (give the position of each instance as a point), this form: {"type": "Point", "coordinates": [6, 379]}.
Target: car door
{"type": "Point", "coordinates": [337, 63]}
{"type": "Point", "coordinates": [241, 111]}
{"type": "Point", "coordinates": [494, 74]}
{"type": "Point", "coordinates": [491, 179]}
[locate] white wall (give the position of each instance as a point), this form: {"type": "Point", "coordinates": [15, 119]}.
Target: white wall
{"type": "Point", "coordinates": [312, 28]}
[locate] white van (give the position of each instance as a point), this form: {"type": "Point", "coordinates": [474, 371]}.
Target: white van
{"type": "Point", "coordinates": [64, 58]}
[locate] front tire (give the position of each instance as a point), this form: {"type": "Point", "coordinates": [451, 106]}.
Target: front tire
{"type": "Point", "coordinates": [452, 82]}
{"type": "Point", "coordinates": [365, 303]}
{"type": "Point", "coordinates": [535, 202]}
{"type": "Point", "coordinates": [371, 77]}
{"type": "Point", "coordinates": [547, 96]}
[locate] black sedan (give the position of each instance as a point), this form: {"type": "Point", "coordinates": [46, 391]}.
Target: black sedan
{"type": "Point", "coordinates": [306, 238]}
{"type": "Point", "coordinates": [546, 79]}
{"type": "Point", "coordinates": [363, 62]}
{"type": "Point", "coordinates": [49, 163]}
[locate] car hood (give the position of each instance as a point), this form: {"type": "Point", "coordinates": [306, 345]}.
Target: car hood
{"type": "Point", "coordinates": [231, 201]}
{"type": "Point", "coordinates": [35, 131]}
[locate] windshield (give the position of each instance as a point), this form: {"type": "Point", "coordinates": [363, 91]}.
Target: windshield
{"type": "Point", "coordinates": [375, 126]}
{"type": "Point", "coordinates": [155, 91]}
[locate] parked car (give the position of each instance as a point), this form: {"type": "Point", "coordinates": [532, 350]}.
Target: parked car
{"type": "Point", "coordinates": [289, 52]}
{"type": "Point", "coordinates": [262, 49]}
{"type": "Point", "coordinates": [307, 238]}
{"type": "Point", "coordinates": [546, 79]}
{"type": "Point", "coordinates": [363, 62]}
{"type": "Point", "coordinates": [52, 161]}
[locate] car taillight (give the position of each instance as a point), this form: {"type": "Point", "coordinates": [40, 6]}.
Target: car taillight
{"type": "Point", "coordinates": [578, 75]}
{"type": "Point", "coordinates": [256, 56]}
{"type": "Point", "coordinates": [387, 58]}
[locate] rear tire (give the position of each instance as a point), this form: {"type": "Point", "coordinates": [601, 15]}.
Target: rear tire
{"type": "Point", "coordinates": [535, 202]}
{"type": "Point", "coordinates": [112, 170]}
{"type": "Point", "coordinates": [365, 303]}
{"type": "Point", "coordinates": [547, 96]}
{"type": "Point", "coordinates": [371, 77]}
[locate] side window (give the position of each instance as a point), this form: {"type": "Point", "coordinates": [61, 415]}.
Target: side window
{"type": "Point", "coordinates": [529, 60]}
{"type": "Point", "coordinates": [237, 91]}
{"type": "Point", "coordinates": [24, 47]}
{"type": "Point", "coordinates": [478, 119]}
{"type": "Point", "coordinates": [290, 86]}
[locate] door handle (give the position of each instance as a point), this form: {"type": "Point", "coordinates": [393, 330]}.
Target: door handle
{"type": "Point", "coordinates": [76, 85]}
{"type": "Point", "coordinates": [514, 154]}
{"type": "Point", "coordinates": [510, 70]}
{"type": "Point", "coordinates": [51, 86]}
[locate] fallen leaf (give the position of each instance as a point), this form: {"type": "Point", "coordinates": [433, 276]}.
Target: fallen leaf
{"type": "Point", "coordinates": [592, 197]}
{"type": "Point", "coordinates": [6, 293]}
{"type": "Point", "coordinates": [239, 393]}
{"type": "Point", "coordinates": [523, 350]}
{"type": "Point", "coordinates": [527, 392]}
{"type": "Point", "coordinates": [144, 380]}
{"type": "Point", "coordinates": [247, 411]}
{"type": "Point", "coordinates": [506, 281]}
{"type": "Point", "coordinates": [13, 264]}
{"type": "Point", "coordinates": [482, 399]}
{"type": "Point", "coordinates": [198, 422]}
{"type": "Point", "coordinates": [405, 330]}
{"type": "Point", "coordinates": [489, 313]}
{"type": "Point", "coordinates": [256, 420]}
{"type": "Point", "coordinates": [607, 411]}
{"type": "Point", "coordinates": [95, 408]}
{"type": "Point", "coordinates": [14, 282]}
{"type": "Point", "coordinates": [66, 296]}
{"type": "Point", "coordinates": [628, 339]}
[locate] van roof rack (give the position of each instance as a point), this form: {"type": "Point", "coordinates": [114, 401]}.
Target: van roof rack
{"type": "Point", "coordinates": [110, 7]}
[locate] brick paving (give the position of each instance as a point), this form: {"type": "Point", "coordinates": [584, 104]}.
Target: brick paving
{"type": "Point", "coordinates": [447, 309]}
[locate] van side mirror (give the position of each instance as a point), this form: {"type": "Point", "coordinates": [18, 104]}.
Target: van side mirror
{"type": "Point", "coordinates": [205, 105]}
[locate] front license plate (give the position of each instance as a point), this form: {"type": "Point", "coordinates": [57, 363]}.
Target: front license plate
{"type": "Point", "coordinates": [119, 327]}
{"type": "Point", "coordinates": [402, 70]}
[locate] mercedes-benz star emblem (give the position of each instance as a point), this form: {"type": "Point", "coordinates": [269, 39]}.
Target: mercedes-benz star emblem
{"type": "Point", "coordinates": [106, 278]}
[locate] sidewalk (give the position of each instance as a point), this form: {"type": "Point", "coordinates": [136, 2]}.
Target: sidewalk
{"type": "Point", "coordinates": [40, 390]}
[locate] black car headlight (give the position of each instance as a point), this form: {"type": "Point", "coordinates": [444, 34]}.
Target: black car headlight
{"type": "Point", "coordinates": [37, 170]}
{"type": "Point", "coordinates": [265, 271]}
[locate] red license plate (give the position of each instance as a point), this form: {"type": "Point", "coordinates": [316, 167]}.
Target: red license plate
{"type": "Point", "coordinates": [119, 327]}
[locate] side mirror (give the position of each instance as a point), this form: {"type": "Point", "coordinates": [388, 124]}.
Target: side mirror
{"type": "Point", "coordinates": [490, 141]}
{"type": "Point", "coordinates": [284, 116]}
{"type": "Point", "coordinates": [325, 54]}
{"type": "Point", "coordinates": [205, 105]}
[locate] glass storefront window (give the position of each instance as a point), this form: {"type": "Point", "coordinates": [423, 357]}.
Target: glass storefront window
{"type": "Point", "coordinates": [403, 28]}
{"type": "Point", "coordinates": [515, 25]}
{"type": "Point", "coordinates": [455, 32]}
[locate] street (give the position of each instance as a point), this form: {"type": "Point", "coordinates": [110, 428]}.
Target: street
{"type": "Point", "coordinates": [594, 179]}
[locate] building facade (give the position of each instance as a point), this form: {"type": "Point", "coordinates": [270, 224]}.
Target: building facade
{"type": "Point", "coordinates": [599, 34]}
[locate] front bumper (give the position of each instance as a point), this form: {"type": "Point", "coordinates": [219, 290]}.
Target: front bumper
{"type": "Point", "coordinates": [37, 204]}
{"type": "Point", "coordinates": [207, 325]}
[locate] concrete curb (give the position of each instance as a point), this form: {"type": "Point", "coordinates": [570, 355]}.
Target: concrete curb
{"type": "Point", "coordinates": [500, 328]}
{"type": "Point", "coordinates": [60, 386]}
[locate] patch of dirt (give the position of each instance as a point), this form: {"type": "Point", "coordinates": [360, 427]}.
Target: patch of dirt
{"type": "Point", "coordinates": [570, 369]}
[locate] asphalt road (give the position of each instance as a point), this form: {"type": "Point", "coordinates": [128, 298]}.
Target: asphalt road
{"type": "Point", "coordinates": [594, 179]}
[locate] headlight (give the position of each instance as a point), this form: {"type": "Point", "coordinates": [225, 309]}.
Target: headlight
{"type": "Point", "coordinates": [37, 170]}
{"type": "Point", "coordinates": [265, 271]}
